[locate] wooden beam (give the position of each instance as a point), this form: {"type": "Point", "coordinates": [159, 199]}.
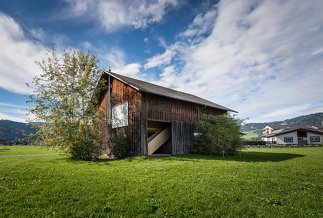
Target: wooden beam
{"type": "Point", "coordinates": [109, 100]}
{"type": "Point", "coordinates": [159, 140]}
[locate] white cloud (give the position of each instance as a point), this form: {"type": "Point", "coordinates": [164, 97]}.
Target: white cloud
{"type": "Point", "coordinates": [168, 76]}
{"type": "Point", "coordinates": [4, 116]}
{"type": "Point", "coordinates": [131, 70]}
{"type": "Point", "coordinates": [18, 55]}
{"type": "Point", "coordinates": [10, 105]}
{"type": "Point", "coordinates": [162, 42]}
{"type": "Point", "coordinates": [317, 51]}
{"type": "Point", "coordinates": [201, 24]}
{"type": "Point", "coordinates": [161, 59]}
{"type": "Point", "coordinates": [87, 45]}
{"type": "Point", "coordinates": [38, 34]}
{"type": "Point", "coordinates": [260, 57]}
{"type": "Point", "coordinates": [114, 14]}
{"type": "Point", "coordinates": [9, 111]}
{"type": "Point", "coordinates": [115, 57]}
{"type": "Point", "coordinates": [286, 112]}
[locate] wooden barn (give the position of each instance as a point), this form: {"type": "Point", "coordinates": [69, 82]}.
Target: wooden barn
{"type": "Point", "coordinates": [154, 118]}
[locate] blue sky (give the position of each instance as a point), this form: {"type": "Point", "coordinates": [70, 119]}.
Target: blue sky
{"type": "Point", "coordinates": [261, 58]}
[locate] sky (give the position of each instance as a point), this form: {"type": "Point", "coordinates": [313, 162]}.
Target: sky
{"type": "Point", "coordinates": [262, 58]}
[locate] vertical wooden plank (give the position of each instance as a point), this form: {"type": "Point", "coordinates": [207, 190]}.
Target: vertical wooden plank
{"type": "Point", "coordinates": [143, 125]}
{"type": "Point", "coordinates": [173, 137]}
{"type": "Point", "coordinates": [109, 100]}
{"type": "Point", "coordinates": [181, 137]}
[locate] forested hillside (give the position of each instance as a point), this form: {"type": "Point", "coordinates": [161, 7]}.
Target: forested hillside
{"type": "Point", "coordinates": [308, 120]}
{"type": "Point", "coordinates": [11, 131]}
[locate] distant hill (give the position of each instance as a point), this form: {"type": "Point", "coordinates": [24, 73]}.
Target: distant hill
{"type": "Point", "coordinates": [11, 131]}
{"type": "Point", "coordinates": [309, 120]}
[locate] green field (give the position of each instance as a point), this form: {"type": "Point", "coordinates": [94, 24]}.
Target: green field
{"type": "Point", "coordinates": [248, 135]}
{"type": "Point", "coordinates": [286, 182]}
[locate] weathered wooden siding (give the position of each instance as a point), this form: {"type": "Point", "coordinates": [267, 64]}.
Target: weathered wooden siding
{"type": "Point", "coordinates": [143, 125]}
{"type": "Point", "coordinates": [165, 109]}
{"type": "Point", "coordinates": [104, 135]}
{"type": "Point", "coordinates": [121, 93]}
{"type": "Point", "coordinates": [182, 115]}
{"type": "Point", "coordinates": [182, 137]}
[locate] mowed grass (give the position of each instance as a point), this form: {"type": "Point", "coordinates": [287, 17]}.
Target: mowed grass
{"type": "Point", "coordinates": [286, 182]}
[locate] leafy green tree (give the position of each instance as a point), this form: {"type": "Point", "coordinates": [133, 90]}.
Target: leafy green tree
{"type": "Point", "coordinates": [218, 135]}
{"type": "Point", "coordinates": [65, 99]}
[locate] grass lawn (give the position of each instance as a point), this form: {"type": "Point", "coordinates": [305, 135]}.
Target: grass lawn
{"type": "Point", "coordinates": [285, 182]}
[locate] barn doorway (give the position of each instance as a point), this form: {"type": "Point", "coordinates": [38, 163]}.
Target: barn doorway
{"type": "Point", "coordinates": [159, 137]}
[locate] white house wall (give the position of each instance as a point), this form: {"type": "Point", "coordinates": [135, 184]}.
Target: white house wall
{"type": "Point", "coordinates": [309, 134]}
{"type": "Point", "coordinates": [280, 138]}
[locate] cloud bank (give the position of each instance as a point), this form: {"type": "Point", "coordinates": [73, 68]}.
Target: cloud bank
{"type": "Point", "coordinates": [113, 15]}
{"type": "Point", "coordinates": [18, 55]}
{"type": "Point", "coordinates": [9, 111]}
{"type": "Point", "coordinates": [262, 58]}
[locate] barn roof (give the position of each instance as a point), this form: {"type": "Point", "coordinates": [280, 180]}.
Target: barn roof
{"type": "Point", "coordinates": [146, 87]}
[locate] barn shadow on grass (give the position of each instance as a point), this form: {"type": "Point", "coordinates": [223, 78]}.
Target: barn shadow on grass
{"type": "Point", "coordinates": [241, 157]}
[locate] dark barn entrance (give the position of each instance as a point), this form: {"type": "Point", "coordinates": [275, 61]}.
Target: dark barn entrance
{"type": "Point", "coordinates": [159, 137]}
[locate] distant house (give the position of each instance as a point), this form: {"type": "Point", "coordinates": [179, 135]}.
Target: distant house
{"type": "Point", "coordinates": [292, 134]}
{"type": "Point", "coordinates": [154, 118]}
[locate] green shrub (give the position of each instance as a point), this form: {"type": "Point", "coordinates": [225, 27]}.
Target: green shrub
{"type": "Point", "coordinates": [83, 151]}
{"type": "Point", "coordinates": [218, 134]}
{"type": "Point", "coordinates": [119, 146]}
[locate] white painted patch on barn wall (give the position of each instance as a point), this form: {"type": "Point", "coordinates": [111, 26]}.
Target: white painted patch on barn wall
{"type": "Point", "coordinates": [120, 115]}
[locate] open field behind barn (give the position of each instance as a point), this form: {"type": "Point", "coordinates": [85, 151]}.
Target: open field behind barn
{"type": "Point", "coordinates": [282, 182]}
{"type": "Point", "coordinates": [248, 135]}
